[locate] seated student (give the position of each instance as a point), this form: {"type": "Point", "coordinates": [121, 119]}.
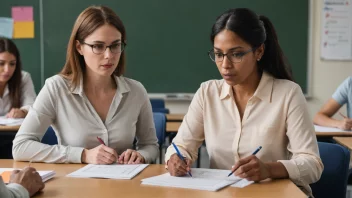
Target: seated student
{"type": "Point", "coordinates": [23, 183]}
{"type": "Point", "coordinates": [16, 87]}
{"type": "Point", "coordinates": [342, 95]}
{"type": "Point", "coordinates": [90, 98]}
{"type": "Point", "coordinates": [255, 104]}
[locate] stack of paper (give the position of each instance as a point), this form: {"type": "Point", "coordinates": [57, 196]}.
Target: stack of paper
{"type": "Point", "coordinates": [113, 171]}
{"type": "Point", "coordinates": [10, 121]}
{"type": "Point", "coordinates": [203, 179]}
{"type": "Point", "coordinates": [6, 172]}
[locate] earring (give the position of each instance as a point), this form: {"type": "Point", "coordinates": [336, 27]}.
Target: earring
{"type": "Point", "coordinates": [258, 59]}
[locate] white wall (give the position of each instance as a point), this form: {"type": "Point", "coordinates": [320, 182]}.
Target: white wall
{"type": "Point", "coordinates": [325, 77]}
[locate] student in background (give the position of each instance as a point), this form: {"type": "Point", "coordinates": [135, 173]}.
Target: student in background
{"type": "Point", "coordinates": [255, 104]}
{"type": "Point", "coordinates": [23, 183]}
{"type": "Point", "coordinates": [343, 95]}
{"type": "Point", "coordinates": [90, 98]}
{"type": "Point", "coordinates": [16, 87]}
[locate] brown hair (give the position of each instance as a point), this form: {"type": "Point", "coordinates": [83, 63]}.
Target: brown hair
{"type": "Point", "coordinates": [14, 84]}
{"type": "Point", "coordinates": [87, 22]}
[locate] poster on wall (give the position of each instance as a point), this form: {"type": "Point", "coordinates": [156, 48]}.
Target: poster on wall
{"type": "Point", "coordinates": [336, 35]}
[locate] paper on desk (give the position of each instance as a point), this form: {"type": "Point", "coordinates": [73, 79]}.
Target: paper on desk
{"type": "Point", "coordinates": [112, 171]}
{"type": "Point", "coordinates": [10, 121]}
{"type": "Point", "coordinates": [203, 179]}
{"type": "Point", "coordinates": [6, 172]}
{"type": "Point", "coordinates": [327, 129]}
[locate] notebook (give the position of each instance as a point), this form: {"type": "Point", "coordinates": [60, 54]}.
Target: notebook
{"type": "Point", "coordinates": [6, 172]}
{"type": "Point", "coordinates": [112, 171]}
{"type": "Point", "coordinates": [203, 179]}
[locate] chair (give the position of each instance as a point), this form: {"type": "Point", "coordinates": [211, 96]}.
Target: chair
{"type": "Point", "coordinates": [157, 103]}
{"type": "Point", "coordinates": [333, 181]}
{"type": "Point", "coordinates": [161, 110]}
{"type": "Point", "coordinates": [160, 127]}
{"type": "Point", "coordinates": [50, 137]}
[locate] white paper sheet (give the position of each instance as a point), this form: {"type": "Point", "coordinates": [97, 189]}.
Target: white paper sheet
{"type": "Point", "coordinates": [327, 129]}
{"type": "Point", "coordinates": [203, 179]}
{"type": "Point", "coordinates": [10, 121]}
{"type": "Point", "coordinates": [112, 171]}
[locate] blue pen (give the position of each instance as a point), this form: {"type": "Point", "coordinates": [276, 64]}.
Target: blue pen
{"type": "Point", "coordinates": [181, 157]}
{"type": "Point", "coordinates": [255, 152]}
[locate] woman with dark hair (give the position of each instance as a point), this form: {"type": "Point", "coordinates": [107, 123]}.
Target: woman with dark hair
{"type": "Point", "coordinates": [90, 100]}
{"type": "Point", "coordinates": [255, 104]}
{"type": "Point", "coordinates": [16, 87]}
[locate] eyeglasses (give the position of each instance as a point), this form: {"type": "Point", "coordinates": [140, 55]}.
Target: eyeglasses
{"type": "Point", "coordinates": [101, 48]}
{"type": "Point", "coordinates": [234, 57]}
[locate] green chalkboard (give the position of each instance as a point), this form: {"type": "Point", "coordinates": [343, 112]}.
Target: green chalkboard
{"type": "Point", "coordinates": [167, 40]}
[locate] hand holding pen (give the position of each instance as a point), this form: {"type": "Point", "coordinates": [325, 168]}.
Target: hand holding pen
{"type": "Point", "coordinates": [345, 124]}
{"type": "Point", "coordinates": [179, 165]}
{"type": "Point", "coordinates": [251, 168]}
{"type": "Point", "coordinates": [101, 154]}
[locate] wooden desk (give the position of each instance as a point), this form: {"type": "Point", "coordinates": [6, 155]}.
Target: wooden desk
{"type": "Point", "coordinates": [172, 127]}
{"type": "Point", "coordinates": [174, 117]}
{"type": "Point", "coordinates": [61, 186]}
{"type": "Point", "coordinates": [344, 141]}
{"type": "Point", "coordinates": [9, 128]}
{"type": "Point", "coordinates": [333, 134]}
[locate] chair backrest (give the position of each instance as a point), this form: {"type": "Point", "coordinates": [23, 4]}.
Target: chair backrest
{"type": "Point", "coordinates": [160, 126]}
{"type": "Point", "coordinates": [161, 110]}
{"type": "Point", "coordinates": [157, 103]}
{"type": "Point", "coordinates": [49, 137]}
{"type": "Point", "coordinates": [333, 181]}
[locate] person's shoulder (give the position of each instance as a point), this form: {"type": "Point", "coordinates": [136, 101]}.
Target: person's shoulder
{"type": "Point", "coordinates": [132, 84]}
{"type": "Point", "coordinates": [283, 87]}
{"type": "Point", "coordinates": [25, 76]}
{"type": "Point", "coordinates": [213, 85]}
{"type": "Point", "coordinates": [56, 82]}
{"type": "Point", "coordinates": [285, 84]}
{"type": "Point", "coordinates": [349, 81]}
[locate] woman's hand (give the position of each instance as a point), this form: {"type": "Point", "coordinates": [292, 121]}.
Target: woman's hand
{"type": "Point", "coordinates": [252, 169]}
{"type": "Point", "coordinates": [131, 156]}
{"type": "Point", "coordinates": [177, 167]}
{"type": "Point", "coordinates": [345, 124]}
{"type": "Point", "coordinates": [16, 113]}
{"type": "Point", "coordinates": [99, 155]}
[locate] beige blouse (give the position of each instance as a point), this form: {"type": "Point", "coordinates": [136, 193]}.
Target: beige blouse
{"type": "Point", "coordinates": [275, 118]}
{"type": "Point", "coordinates": [77, 124]}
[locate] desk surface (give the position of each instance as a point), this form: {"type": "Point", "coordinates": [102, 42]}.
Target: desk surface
{"type": "Point", "coordinates": [344, 141]}
{"type": "Point", "coordinates": [61, 186]}
{"type": "Point", "coordinates": [9, 128]}
{"type": "Point", "coordinates": [331, 134]}
{"type": "Point", "coordinates": [175, 117]}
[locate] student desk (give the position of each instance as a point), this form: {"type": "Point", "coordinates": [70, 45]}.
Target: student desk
{"type": "Point", "coordinates": [344, 141]}
{"type": "Point", "coordinates": [67, 187]}
{"type": "Point", "coordinates": [333, 134]}
{"type": "Point", "coordinates": [174, 117]}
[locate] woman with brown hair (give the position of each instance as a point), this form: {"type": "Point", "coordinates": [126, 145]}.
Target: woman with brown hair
{"type": "Point", "coordinates": [16, 87]}
{"type": "Point", "coordinates": [90, 100]}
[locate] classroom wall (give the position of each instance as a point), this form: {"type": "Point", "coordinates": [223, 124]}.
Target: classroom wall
{"type": "Point", "coordinates": [325, 76]}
